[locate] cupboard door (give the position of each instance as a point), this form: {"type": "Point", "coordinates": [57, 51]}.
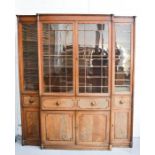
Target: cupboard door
{"type": "Point", "coordinates": [29, 53]}
{"type": "Point", "coordinates": [31, 126]}
{"type": "Point", "coordinates": [121, 127]}
{"type": "Point", "coordinates": [93, 53]}
{"type": "Point", "coordinates": [92, 128]}
{"type": "Point", "coordinates": [57, 127]}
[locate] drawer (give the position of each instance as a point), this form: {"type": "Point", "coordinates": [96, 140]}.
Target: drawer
{"type": "Point", "coordinates": [93, 103]}
{"type": "Point", "coordinates": [122, 102]}
{"type": "Point", "coordinates": [29, 100]}
{"type": "Point", "coordinates": [57, 103]}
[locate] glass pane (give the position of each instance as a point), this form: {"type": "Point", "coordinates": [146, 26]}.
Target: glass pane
{"type": "Point", "coordinates": [122, 57]}
{"type": "Point", "coordinates": [30, 57]}
{"type": "Point", "coordinates": [58, 57]}
{"type": "Point", "coordinates": [93, 58]}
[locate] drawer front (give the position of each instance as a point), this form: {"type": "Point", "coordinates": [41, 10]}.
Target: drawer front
{"type": "Point", "coordinates": [30, 101]}
{"type": "Point", "coordinates": [96, 103]}
{"type": "Point", "coordinates": [57, 103]}
{"type": "Point", "coordinates": [122, 102]}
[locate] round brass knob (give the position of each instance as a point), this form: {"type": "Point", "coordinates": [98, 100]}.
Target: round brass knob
{"type": "Point", "coordinates": [31, 100]}
{"type": "Point", "coordinates": [120, 102]}
{"type": "Point", "coordinates": [57, 103]}
{"type": "Point", "coordinates": [92, 103]}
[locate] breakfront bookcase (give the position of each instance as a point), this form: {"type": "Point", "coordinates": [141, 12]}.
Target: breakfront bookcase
{"type": "Point", "coordinates": [76, 80]}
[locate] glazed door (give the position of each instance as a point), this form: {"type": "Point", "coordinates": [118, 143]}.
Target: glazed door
{"type": "Point", "coordinates": [69, 49]}
{"type": "Point", "coordinates": [58, 58]}
{"type": "Point", "coordinates": [93, 58]}
{"type": "Point", "coordinates": [28, 56]}
{"type": "Point", "coordinates": [92, 128]}
{"type": "Point", "coordinates": [58, 127]}
{"type": "Point", "coordinates": [123, 64]}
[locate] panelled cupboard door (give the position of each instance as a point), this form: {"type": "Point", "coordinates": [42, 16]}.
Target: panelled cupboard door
{"type": "Point", "coordinates": [92, 128]}
{"type": "Point", "coordinates": [31, 126]}
{"type": "Point", "coordinates": [57, 128]}
{"type": "Point", "coordinates": [121, 127]}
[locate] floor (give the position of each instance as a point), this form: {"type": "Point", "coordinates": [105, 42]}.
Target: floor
{"type": "Point", "coordinates": [34, 150]}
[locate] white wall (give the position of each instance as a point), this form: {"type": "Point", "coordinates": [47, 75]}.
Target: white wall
{"type": "Point", "coordinates": [117, 7]}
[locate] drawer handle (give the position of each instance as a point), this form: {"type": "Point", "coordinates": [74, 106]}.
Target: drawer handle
{"type": "Point", "coordinates": [120, 102]}
{"type": "Point", "coordinates": [93, 103]}
{"type": "Point", "coordinates": [31, 100]}
{"type": "Point", "coordinates": [57, 103]}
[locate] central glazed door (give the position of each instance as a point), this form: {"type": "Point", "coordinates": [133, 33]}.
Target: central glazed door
{"type": "Point", "coordinates": [75, 58]}
{"type": "Point", "coordinates": [93, 65]}
{"type": "Point", "coordinates": [57, 58]}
